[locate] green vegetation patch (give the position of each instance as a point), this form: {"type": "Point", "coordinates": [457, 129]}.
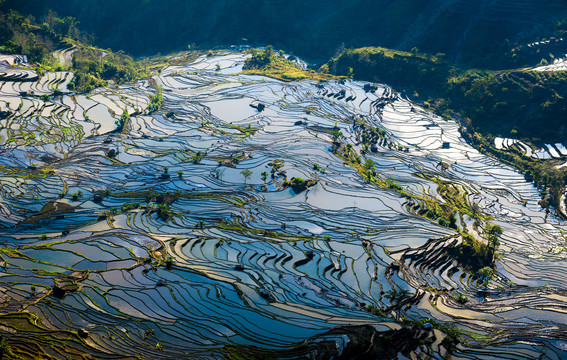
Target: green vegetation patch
{"type": "Point", "coordinates": [246, 130]}
{"type": "Point", "coordinates": [472, 255]}
{"type": "Point", "coordinates": [92, 66]}
{"type": "Point", "coordinates": [299, 185]}
{"type": "Point", "coordinates": [269, 63]}
{"type": "Point", "coordinates": [49, 210]}
{"type": "Point", "coordinates": [398, 68]}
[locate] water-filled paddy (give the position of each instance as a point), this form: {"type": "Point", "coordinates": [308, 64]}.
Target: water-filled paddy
{"type": "Point", "coordinates": [255, 264]}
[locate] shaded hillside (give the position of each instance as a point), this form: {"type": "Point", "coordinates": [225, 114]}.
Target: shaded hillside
{"type": "Point", "coordinates": [57, 44]}
{"type": "Point", "coordinates": [477, 33]}
{"type": "Point", "coordinates": [528, 104]}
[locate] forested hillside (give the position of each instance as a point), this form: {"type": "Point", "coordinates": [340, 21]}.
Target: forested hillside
{"type": "Point", "coordinates": [477, 33]}
{"type": "Point", "coordinates": [57, 44]}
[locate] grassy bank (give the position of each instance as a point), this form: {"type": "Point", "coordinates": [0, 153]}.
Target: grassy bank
{"type": "Point", "coordinates": [269, 63]}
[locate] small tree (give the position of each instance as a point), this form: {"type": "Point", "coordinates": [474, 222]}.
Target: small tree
{"type": "Point", "coordinates": [485, 274]}
{"type": "Point", "coordinates": [268, 54]}
{"type": "Point", "coordinates": [112, 153]}
{"type": "Point", "coordinates": [164, 212]}
{"type": "Point", "coordinates": [156, 101]}
{"type": "Point", "coordinates": [169, 263]}
{"type": "Point", "coordinates": [369, 164]}
{"type": "Point", "coordinates": [76, 196]}
{"type": "Point", "coordinates": [397, 296]}
{"type": "Point", "coordinates": [264, 176]}
{"type": "Point", "coordinates": [336, 134]}
{"type": "Point", "coordinates": [197, 157]}
{"type": "Point", "coordinates": [246, 173]}
{"type": "Point", "coordinates": [462, 299]}
{"type": "Point", "coordinates": [491, 233]}
{"type": "Point", "coordinates": [123, 120]}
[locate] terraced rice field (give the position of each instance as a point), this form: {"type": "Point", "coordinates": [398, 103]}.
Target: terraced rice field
{"type": "Point", "coordinates": [170, 249]}
{"type": "Point", "coordinates": [549, 151]}
{"type": "Point", "coordinates": [557, 65]}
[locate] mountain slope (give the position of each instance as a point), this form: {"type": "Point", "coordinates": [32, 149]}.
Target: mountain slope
{"type": "Point", "coordinates": [475, 33]}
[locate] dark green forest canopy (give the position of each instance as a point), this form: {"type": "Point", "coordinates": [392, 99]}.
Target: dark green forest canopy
{"type": "Point", "coordinates": [478, 33]}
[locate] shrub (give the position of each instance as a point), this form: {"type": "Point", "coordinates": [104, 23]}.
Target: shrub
{"type": "Point", "coordinates": [120, 123]}
{"type": "Point", "coordinates": [298, 184]}
{"type": "Point", "coordinates": [164, 212]}
{"type": "Point", "coordinates": [156, 101]}
{"type": "Point", "coordinates": [76, 196]}
{"type": "Point", "coordinates": [128, 207]}
{"type": "Point", "coordinates": [369, 164]}
{"type": "Point", "coordinates": [197, 157]}
{"type": "Point", "coordinates": [485, 274]}
{"type": "Point", "coordinates": [462, 299]}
